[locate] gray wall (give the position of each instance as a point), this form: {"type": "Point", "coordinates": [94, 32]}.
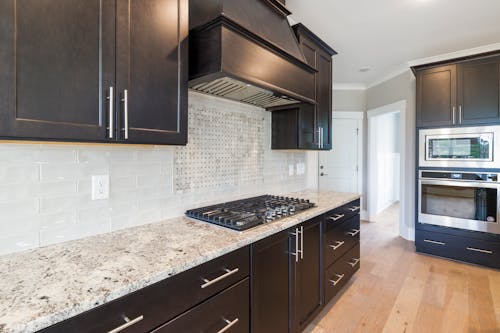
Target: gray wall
{"type": "Point", "coordinates": [349, 100]}
{"type": "Point", "coordinates": [401, 87]}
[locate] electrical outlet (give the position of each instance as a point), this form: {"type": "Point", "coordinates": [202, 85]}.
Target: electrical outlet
{"type": "Point", "coordinates": [100, 187]}
{"type": "Point", "coordinates": [291, 169]}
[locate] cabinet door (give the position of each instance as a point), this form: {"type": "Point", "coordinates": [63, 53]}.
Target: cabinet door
{"type": "Point", "coordinates": [152, 45]}
{"type": "Point", "coordinates": [324, 99]}
{"type": "Point", "coordinates": [270, 284]}
{"type": "Point", "coordinates": [436, 96]}
{"type": "Point", "coordinates": [57, 65]}
{"type": "Point", "coordinates": [306, 278]}
{"type": "Point", "coordinates": [307, 135]}
{"type": "Point", "coordinates": [479, 91]}
{"type": "Point", "coordinates": [284, 129]}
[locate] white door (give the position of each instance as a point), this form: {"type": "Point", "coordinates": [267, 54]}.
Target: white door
{"type": "Point", "coordinates": [340, 168]}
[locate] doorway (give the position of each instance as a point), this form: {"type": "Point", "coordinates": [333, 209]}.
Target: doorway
{"type": "Point", "coordinates": [341, 169]}
{"type": "Point", "coordinates": [386, 142]}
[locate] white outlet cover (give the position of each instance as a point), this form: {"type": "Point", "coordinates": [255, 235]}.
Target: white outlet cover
{"type": "Point", "coordinates": [100, 187]}
{"type": "Point", "coordinates": [291, 169]}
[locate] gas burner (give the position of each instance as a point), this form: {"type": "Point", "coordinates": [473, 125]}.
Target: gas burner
{"type": "Point", "coordinates": [247, 213]}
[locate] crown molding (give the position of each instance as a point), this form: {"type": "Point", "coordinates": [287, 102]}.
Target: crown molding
{"type": "Point", "coordinates": [454, 55]}
{"type": "Point", "coordinates": [349, 86]}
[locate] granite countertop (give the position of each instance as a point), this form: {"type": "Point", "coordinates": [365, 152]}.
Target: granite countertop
{"type": "Point", "coordinates": [41, 287]}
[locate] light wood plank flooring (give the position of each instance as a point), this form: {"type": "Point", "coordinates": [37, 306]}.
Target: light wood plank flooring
{"type": "Point", "coordinates": [397, 290]}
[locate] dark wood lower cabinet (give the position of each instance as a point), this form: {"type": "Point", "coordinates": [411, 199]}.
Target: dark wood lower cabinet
{"type": "Point", "coordinates": [306, 276]}
{"type": "Point", "coordinates": [270, 284]}
{"type": "Point", "coordinates": [338, 274]}
{"type": "Point", "coordinates": [442, 244]}
{"type": "Point", "coordinates": [228, 311]}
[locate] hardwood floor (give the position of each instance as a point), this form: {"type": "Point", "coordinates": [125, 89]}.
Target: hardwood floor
{"type": "Point", "coordinates": [398, 290]}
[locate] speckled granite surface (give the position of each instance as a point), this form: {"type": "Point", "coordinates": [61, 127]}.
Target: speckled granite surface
{"type": "Point", "coordinates": [41, 287]}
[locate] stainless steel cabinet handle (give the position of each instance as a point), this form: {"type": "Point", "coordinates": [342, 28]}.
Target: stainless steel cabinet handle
{"type": "Point", "coordinates": [453, 115]}
{"type": "Point", "coordinates": [111, 99]}
{"type": "Point", "coordinates": [319, 137]}
{"type": "Point", "coordinates": [322, 138]}
{"type": "Point", "coordinates": [479, 250]}
{"type": "Point", "coordinates": [302, 242]}
{"type": "Point", "coordinates": [339, 276]}
{"type": "Point", "coordinates": [336, 217]}
{"type": "Point", "coordinates": [229, 325]}
{"type": "Point", "coordinates": [353, 263]}
{"type": "Point", "coordinates": [354, 208]}
{"type": "Point", "coordinates": [296, 254]}
{"type": "Point", "coordinates": [353, 233]}
{"type": "Point", "coordinates": [125, 113]}
{"type": "Point", "coordinates": [127, 324]}
{"type": "Point", "coordinates": [434, 242]}
{"type": "Point", "coordinates": [460, 114]}
{"type": "Point", "coordinates": [339, 244]}
{"type": "Point", "coordinates": [228, 273]}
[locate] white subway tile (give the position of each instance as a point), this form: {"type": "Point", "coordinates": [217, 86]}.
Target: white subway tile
{"type": "Point", "coordinates": [13, 174]}
{"type": "Point", "coordinates": [26, 241]}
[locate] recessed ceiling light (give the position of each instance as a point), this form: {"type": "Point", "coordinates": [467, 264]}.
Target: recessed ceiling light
{"type": "Point", "coordinates": [364, 69]}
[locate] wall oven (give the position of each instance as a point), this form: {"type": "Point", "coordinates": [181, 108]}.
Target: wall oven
{"type": "Point", "coordinates": [460, 147]}
{"type": "Point", "coordinates": [464, 200]}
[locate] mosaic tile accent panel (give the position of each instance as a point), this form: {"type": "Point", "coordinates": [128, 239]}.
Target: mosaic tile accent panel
{"type": "Point", "coordinates": [225, 148]}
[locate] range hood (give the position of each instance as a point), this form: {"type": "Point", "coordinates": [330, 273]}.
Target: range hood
{"type": "Point", "coordinates": [245, 50]}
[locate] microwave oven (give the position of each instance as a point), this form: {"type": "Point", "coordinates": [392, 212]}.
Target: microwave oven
{"type": "Point", "coordinates": [460, 147]}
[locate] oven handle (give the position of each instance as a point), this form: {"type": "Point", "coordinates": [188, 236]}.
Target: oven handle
{"type": "Point", "coordinates": [458, 183]}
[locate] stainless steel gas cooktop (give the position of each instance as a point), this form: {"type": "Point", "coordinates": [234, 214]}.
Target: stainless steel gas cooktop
{"type": "Point", "coordinates": [247, 213]}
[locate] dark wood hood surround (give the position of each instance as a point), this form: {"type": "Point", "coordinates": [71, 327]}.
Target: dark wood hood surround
{"type": "Point", "coordinates": [246, 50]}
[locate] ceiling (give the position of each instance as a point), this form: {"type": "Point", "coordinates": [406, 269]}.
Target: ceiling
{"type": "Point", "coordinates": [384, 35]}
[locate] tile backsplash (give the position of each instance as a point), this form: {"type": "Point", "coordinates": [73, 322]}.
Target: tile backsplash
{"type": "Point", "coordinates": [45, 189]}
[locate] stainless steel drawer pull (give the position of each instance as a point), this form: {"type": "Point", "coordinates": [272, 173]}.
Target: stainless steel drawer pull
{"type": "Point", "coordinates": [479, 250]}
{"type": "Point", "coordinates": [229, 325]}
{"type": "Point", "coordinates": [339, 244]}
{"type": "Point", "coordinates": [434, 242]}
{"type": "Point", "coordinates": [127, 324]}
{"type": "Point", "coordinates": [340, 277]}
{"type": "Point", "coordinates": [353, 233]}
{"type": "Point", "coordinates": [354, 208]}
{"type": "Point", "coordinates": [336, 217]}
{"type": "Point", "coordinates": [228, 273]}
{"type": "Point", "coordinates": [356, 261]}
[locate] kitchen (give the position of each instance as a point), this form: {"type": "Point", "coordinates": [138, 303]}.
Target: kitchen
{"type": "Point", "coordinates": [168, 166]}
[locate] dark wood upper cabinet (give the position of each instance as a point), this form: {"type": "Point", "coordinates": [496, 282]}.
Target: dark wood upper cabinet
{"type": "Point", "coordinates": [460, 92]}
{"type": "Point", "coordinates": [57, 62]}
{"type": "Point", "coordinates": [313, 130]}
{"type": "Point", "coordinates": [306, 276]}
{"type": "Point", "coordinates": [152, 45]}
{"type": "Point", "coordinates": [436, 96]}
{"type": "Point", "coordinates": [61, 61]}
{"type": "Point", "coordinates": [479, 91]}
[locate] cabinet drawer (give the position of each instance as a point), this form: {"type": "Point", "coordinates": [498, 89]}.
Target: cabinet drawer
{"type": "Point", "coordinates": [459, 248]}
{"type": "Point", "coordinates": [337, 275]}
{"type": "Point", "coordinates": [228, 311]}
{"type": "Point", "coordinates": [340, 239]}
{"type": "Point", "coordinates": [164, 300]}
{"type": "Point", "coordinates": [341, 214]}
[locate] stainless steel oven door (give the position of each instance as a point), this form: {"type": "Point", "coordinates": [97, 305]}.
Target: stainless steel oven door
{"type": "Point", "coordinates": [461, 147]}
{"type": "Point", "coordinates": [465, 205]}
